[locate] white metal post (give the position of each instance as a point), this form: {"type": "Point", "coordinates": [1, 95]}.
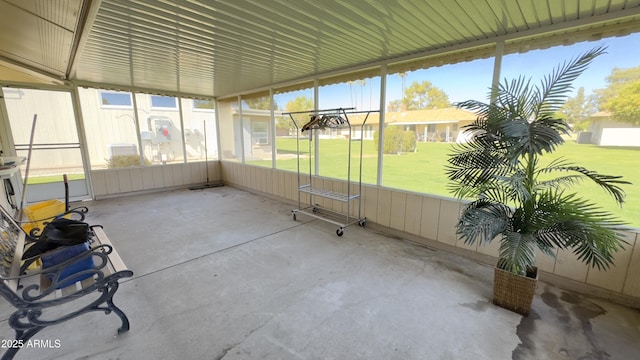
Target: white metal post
{"type": "Point", "coordinates": [383, 100]}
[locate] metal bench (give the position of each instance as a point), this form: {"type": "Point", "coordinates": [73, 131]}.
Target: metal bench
{"type": "Point", "coordinates": [39, 295]}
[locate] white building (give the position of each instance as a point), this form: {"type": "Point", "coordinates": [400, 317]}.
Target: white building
{"type": "Point", "coordinates": [606, 131]}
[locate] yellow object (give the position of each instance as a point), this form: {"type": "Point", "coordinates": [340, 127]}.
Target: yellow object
{"type": "Point", "coordinates": [34, 265]}
{"type": "Point", "coordinates": [40, 213]}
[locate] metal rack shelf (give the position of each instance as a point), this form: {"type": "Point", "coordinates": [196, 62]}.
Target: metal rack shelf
{"type": "Point", "coordinates": [327, 193]}
{"type": "Point", "coordinates": [332, 119]}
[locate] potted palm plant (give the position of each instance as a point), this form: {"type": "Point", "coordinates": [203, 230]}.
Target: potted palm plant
{"type": "Point", "coordinates": [521, 199]}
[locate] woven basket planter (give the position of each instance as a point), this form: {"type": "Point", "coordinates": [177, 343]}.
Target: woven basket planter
{"type": "Point", "coordinates": [514, 292]}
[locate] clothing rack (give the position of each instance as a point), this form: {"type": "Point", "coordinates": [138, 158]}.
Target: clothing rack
{"type": "Point", "coordinates": [310, 190]}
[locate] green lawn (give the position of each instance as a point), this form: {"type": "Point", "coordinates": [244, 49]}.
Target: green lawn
{"type": "Point", "coordinates": [423, 171]}
{"type": "Point", "coordinates": [33, 180]}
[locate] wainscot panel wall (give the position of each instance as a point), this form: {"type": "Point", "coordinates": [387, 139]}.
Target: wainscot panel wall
{"type": "Point", "coordinates": [430, 221]}
{"type": "Point", "coordinates": [115, 182]}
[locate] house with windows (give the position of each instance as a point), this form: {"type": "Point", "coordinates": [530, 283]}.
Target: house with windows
{"type": "Point", "coordinates": [254, 129]}
{"type": "Point", "coordinates": [430, 125]}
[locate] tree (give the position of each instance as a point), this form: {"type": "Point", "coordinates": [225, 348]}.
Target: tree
{"type": "Point", "coordinates": [403, 76]}
{"type": "Point", "coordinates": [300, 103]}
{"type": "Point", "coordinates": [203, 104]}
{"type": "Point", "coordinates": [424, 95]}
{"type": "Point", "coordinates": [576, 110]}
{"type": "Point", "coordinates": [395, 105]}
{"type": "Point", "coordinates": [283, 122]}
{"type": "Point", "coordinates": [259, 103]}
{"type": "Point", "coordinates": [621, 97]}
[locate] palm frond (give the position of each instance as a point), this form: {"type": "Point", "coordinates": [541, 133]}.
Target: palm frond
{"type": "Point", "coordinates": [566, 207]}
{"type": "Point", "coordinates": [559, 182]}
{"type": "Point", "coordinates": [516, 134]}
{"type": "Point", "coordinates": [478, 107]}
{"type": "Point", "coordinates": [482, 220]}
{"type": "Point", "coordinates": [517, 252]}
{"type": "Point", "coordinates": [535, 137]}
{"type": "Point", "coordinates": [514, 99]}
{"type": "Point", "coordinates": [554, 88]}
{"type": "Point", "coordinates": [609, 183]}
{"type": "Point", "coordinates": [557, 164]}
{"type": "Point", "coordinates": [594, 243]}
{"type": "Point", "coordinates": [592, 234]}
{"type": "Point", "coordinates": [494, 190]}
{"type": "Point", "coordinates": [475, 166]}
{"type": "Point", "coordinates": [546, 134]}
{"type": "Point", "coordinates": [546, 248]}
{"type": "Point", "coordinates": [515, 187]}
{"type": "Point", "coordinates": [497, 192]}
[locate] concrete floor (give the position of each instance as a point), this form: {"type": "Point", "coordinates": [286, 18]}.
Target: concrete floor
{"type": "Point", "coordinates": [224, 274]}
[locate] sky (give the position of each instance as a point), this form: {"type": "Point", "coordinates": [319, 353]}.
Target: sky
{"type": "Point", "coordinates": [471, 80]}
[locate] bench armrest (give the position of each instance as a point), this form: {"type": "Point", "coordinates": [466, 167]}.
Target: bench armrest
{"type": "Point", "coordinates": [77, 213]}
{"type": "Point", "coordinates": [41, 283]}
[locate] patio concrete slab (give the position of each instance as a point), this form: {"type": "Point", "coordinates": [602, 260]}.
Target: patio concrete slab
{"type": "Point", "coordinates": [224, 274]}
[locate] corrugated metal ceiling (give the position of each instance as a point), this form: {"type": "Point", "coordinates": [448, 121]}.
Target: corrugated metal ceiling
{"type": "Point", "coordinates": [224, 47]}
{"type": "Point", "coordinates": [39, 34]}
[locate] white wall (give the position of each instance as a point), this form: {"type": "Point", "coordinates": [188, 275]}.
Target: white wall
{"type": "Point", "coordinates": [608, 132]}
{"type": "Point", "coordinates": [106, 125]}
{"type": "Point", "coordinates": [118, 182]}
{"type": "Point", "coordinates": [620, 137]}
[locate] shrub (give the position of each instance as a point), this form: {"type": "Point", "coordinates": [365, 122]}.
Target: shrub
{"type": "Point", "coordinates": [120, 161]}
{"type": "Point", "coordinates": [396, 141]}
